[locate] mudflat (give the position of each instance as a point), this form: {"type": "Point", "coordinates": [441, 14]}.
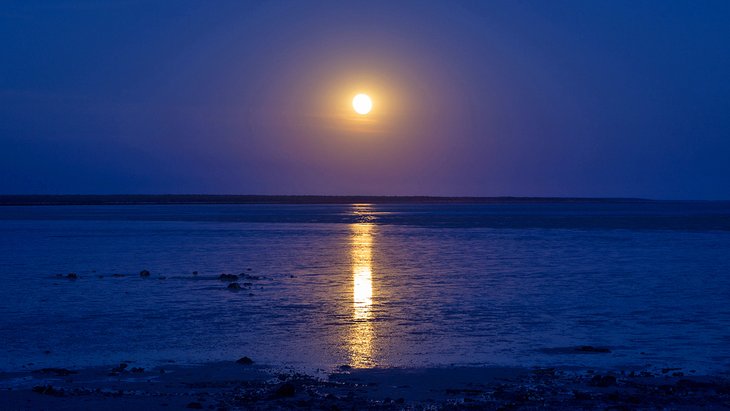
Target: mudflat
{"type": "Point", "coordinates": [246, 385]}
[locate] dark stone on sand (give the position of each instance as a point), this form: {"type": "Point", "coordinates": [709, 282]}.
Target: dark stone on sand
{"type": "Point", "coordinates": [48, 390]}
{"type": "Point", "coordinates": [602, 381]}
{"type": "Point", "coordinates": [144, 273]}
{"type": "Point", "coordinates": [244, 361]}
{"type": "Point", "coordinates": [72, 276]}
{"type": "Point", "coordinates": [694, 385]}
{"type": "Point", "coordinates": [592, 349]}
{"type": "Point", "coordinates": [234, 286]}
{"type": "Point", "coordinates": [61, 372]}
{"type": "Point", "coordinates": [285, 390]}
{"type": "Point", "coordinates": [615, 397]}
{"type": "Point", "coordinates": [194, 405]}
{"type": "Point", "coordinates": [544, 371]}
{"type": "Point", "coordinates": [667, 389]}
{"type": "Point", "coordinates": [228, 277]}
{"type": "Point", "coordinates": [120, 368]}
{"type": "Point", "coordinates": [463, 391]}
{"type": "Point", "coordinates": [633, 399]}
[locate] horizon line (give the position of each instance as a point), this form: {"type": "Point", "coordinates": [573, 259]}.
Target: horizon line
{"type": "Point", "coordinates": [181, 199]}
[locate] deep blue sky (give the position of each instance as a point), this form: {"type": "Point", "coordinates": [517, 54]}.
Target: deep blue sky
{"type": "Point", "coordinates": [599, 98]}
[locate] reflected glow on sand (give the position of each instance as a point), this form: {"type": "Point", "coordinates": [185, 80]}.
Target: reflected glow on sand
{"type": "Point", "coordinates": [361, 334]}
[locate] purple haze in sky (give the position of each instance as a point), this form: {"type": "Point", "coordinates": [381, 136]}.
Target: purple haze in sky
{"type": "Point", "coordinates": [471, 98]}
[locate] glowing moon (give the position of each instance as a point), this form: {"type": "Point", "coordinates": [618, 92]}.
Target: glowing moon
{"type": "Point", "coordinates": [362, 104]}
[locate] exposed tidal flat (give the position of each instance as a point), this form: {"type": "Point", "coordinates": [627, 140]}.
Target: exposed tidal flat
{"type": "Point", "coordinates": [246, 385]}
{"type": "Point", "coordinates": [389, 305]}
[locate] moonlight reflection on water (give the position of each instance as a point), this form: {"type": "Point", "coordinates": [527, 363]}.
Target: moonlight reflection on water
{"type": "Point", "coordinates": [361, 338]}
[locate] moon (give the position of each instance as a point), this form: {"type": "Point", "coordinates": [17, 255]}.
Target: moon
{"type": "Point", "coordinates": [362, 104]}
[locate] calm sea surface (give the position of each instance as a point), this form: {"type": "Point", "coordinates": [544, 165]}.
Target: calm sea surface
{"type": "Point", "coordinates": [367, 285]}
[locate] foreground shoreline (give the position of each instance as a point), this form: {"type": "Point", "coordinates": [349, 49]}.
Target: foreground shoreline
{"type": "Point", "coordinates": [246, 385]}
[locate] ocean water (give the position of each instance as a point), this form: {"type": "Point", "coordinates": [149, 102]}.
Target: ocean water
{"type": "Point", "coordinates": [368, 285]}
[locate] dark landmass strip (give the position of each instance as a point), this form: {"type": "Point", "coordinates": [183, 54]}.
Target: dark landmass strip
{"type": "Point", "coordinates": [133, 199]}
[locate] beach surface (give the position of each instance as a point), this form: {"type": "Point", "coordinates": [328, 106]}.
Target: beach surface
{"type": "Point", "coordinates": [244, 385]}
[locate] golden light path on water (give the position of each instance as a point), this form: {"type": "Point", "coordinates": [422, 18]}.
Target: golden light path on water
{"type": "Point", "coordinates": [361, 333]}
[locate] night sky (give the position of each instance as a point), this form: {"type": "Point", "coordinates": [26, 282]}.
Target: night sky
{"type": "Point", "coordinates": [476, 98]}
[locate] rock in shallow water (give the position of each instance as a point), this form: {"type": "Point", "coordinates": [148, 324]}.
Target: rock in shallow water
{"type": "Point", "coordinates": [581, 349]}
{"type": "Point", "coordinates": [120, 368]}
{"type": "Point", "coordinates": [48, 390]}
{"type": "Point", "coordinates": [61, 372]}
{"type": "Point", "coordinates": [244, 361]}
{"type": "Point", "coordinates": [234, 286]}
{"type": "Point", "coordinates": [228, 277]}
{"type": "Point", "coordinates": [144, 273]}
{"type": "Point", "coordinates": [592, 349]}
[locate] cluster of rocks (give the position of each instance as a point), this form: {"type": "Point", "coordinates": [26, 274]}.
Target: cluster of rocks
{"type": "Point", "coordinates": [236, 282]}
{"type": "Point", "coordinates": [545, 388]}
{"type": "Point", "coordinates": [552, 388]}
{"type": "Point", "coordinates": [74, 276]}
{"type": "Point", "coordinates": [541, 389]}
{"type": "Point", "coordinates": [123, 368]}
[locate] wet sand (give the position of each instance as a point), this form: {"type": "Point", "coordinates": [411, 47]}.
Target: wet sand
{"type": "Point", "coordinates": [231, 385]}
